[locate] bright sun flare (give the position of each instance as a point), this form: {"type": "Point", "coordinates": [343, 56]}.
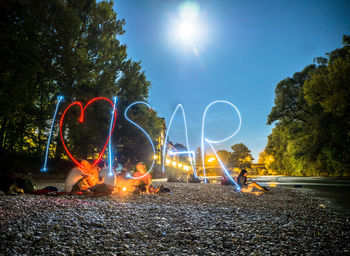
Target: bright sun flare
{"type": "Point", "coordinates": [187, 29]}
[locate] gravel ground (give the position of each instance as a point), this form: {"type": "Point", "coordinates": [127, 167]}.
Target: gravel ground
{"type": "Point", "coordinates": [195, 219]}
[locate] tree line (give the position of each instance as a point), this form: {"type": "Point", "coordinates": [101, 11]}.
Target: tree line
{"type": "Point", "coordinates": [311, 117]}
{"type": "Point", "coordinates": [240, 157]}
{"type": "Point", "coordinates": [70, 48]}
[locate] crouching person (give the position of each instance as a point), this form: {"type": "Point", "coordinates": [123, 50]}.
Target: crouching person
{"type": "Point", "coordinates": [81, 178]}
{"type": "Point", "coordinates": [143, 183]}
{"type": "Point", "coordinates": [107, 180]}
{"type": "Point", "coordinates": [144, 179]}
{"type": "Point", "coordinates": [74, 176]}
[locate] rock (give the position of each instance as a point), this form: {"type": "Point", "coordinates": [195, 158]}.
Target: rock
{"type": "Point", "coordinates": [197, 219]}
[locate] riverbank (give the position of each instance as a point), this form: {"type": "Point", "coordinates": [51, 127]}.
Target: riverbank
{"type": "Point", "coordinates": [195, 219]}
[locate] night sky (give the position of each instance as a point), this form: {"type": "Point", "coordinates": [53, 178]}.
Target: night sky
{"type": "Point", "coordinates": [197, 52]}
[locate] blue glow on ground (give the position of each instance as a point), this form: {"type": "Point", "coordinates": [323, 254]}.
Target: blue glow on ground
{"type": "Point", "coordinates": [187, 143]}
{"type": "Point", "coordinates": [59, 99]}
{"type": "Point", "coordinates": [138, 126]}
{"type": "Point", "coordinates": [110, 153]}
{"type": "Point", "coordinates": [217, 141]}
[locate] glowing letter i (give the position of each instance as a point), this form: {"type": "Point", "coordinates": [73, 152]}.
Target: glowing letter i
{"type": "Point", "coordinates": [59, 99]}
{"type": "Point", "coordinates": [110, 153]}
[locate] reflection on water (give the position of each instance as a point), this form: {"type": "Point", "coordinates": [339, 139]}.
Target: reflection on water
{"type": "Point", "coordinates": [334, 190]}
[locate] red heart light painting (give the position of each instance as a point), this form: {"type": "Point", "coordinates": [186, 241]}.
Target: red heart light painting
{"type": "Point", "coordinates": [81, 120]}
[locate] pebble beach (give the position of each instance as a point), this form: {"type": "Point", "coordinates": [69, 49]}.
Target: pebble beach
{"type": "Point", "coordinates": [194, 219]}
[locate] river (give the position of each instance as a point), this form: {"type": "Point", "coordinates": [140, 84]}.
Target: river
{"type": "Point", "coordinates": [335, 192]}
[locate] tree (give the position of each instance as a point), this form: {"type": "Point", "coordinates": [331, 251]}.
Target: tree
{"type": "Point", "coordinates": [30, 37]}
{"type": "Point", "coordinates": [266, 159]}
{"type": "Point", "coordinates": [241, 156]}
{"type": "Point", "coordinates": [311, 136]}
{"type": "Point", "coordinates": [69, 48]}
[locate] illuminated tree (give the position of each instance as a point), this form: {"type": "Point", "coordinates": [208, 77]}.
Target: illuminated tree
{"type": "Point", "coordinates": [266, 159]}
{"type": "Point", "coordinates": [241, 156]}
{"type": "Point", "coordinates": [311, 134]}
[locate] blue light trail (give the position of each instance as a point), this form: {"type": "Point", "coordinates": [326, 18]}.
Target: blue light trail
{"type": "Point", "coordinates": [59, 99]}
{"type": "Point", "coordinates": [192, 159]}
{"type": "Point", "coordinates": [148, 137]}
{"type": "Point", "coordinates": [167, 134]}
{"type": "Point", "coordinates": [216, 141]}
{"type": "Point", "coordinates": [110, 153]}
{"type": "Point", "coordinates": [223, 167]}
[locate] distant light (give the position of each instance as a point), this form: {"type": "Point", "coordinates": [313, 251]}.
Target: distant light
{"type": "Point", "coordinates": [174, 163]}
{"type": "Point", "coordinates": [124, 189]}
{"type": "Point", "coordinates": [180, 165]}
{"type": "Point", "coordinates": [167, 161]}
{"type": "Point", "coordinates": [119, 167]}
{"type": "Point", "coordinates": [211, 159]}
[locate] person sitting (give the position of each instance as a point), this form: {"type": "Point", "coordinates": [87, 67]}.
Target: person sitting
{"type": "Point", "coordinates": [144, 179]}
{"type": "Point", "coordinates": [106, 182]}
{"type": "Point", "coordinates": [247, 187]}
{"type": "Point", "coordinates": [82, 177]}
{"type": "Point", "coordinates": [143, 183]}
{"type": "Point", "coordinates": [193, 179]}
{"type": "Point", "coordinates": [225, 180]}
{"type": "Point", "coordinates": [74, 176]}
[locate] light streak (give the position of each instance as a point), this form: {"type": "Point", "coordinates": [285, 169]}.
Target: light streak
{"type": "Point", "coordinates": [193, 158]}
{"type": "Point", "coordinates": [223, 167]}
{"type": "Point", "coordinates": [148, 137]}
{"type": "Point", "coordinates": [110, 153]}
{"type": "Point", "coordinates": [216, 141]}
{"type": "Point", "coordinates": [186, 135]}
{"type": "Point", "coordinates": [81, 120]}
{"type": "Point", "coordinates": [59, 98]}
